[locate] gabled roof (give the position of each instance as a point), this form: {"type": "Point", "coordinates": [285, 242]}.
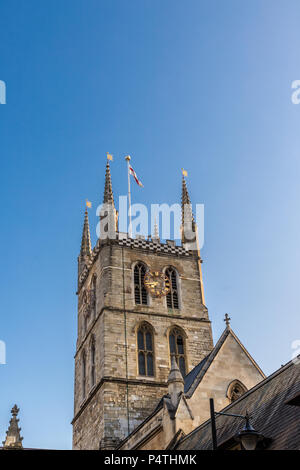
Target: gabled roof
{"type": "Point", "coordinates": [268, 404]}
{"type": "Point", "coordinates": [193, 378]}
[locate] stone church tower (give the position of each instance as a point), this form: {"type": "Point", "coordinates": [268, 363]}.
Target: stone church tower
{"type": "Point", "coordinates": [129, 332]}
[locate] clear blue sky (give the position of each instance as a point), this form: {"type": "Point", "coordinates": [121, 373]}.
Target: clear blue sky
{"type": "Point", "coordinates": [200, 84]}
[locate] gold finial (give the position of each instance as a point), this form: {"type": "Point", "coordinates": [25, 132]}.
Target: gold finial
{"type": "Point", "coordinates": [128, 158]}
{"type": "Point", "coordinates": [227, 319]}
{"type": "Point", "coordinates": [109, 156]}
{"type": "Point", "coordinates": [88, 203]}
{"type": "Point", "coordinates": [184, 172]}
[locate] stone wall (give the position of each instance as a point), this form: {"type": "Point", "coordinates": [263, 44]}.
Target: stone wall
{"type": "Point", "coordinates": [119, 390]}
{"type": "Point", "coordinates": [231, 363]}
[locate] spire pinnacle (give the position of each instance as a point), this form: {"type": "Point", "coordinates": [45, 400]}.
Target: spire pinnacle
{"type": "Point", "coordinates": [175, 374]}
{"type": "Point", "coordinates": [13, 438]}
{"type": "Point", "coordinates": [86, 250]}
{"type": "Point", "coordinates": [175, 382]}
{"type": "Point", "coordinates": [108, 197]}
{"type": "Point", "coordinates": [108, 213]}
{"type": "Point", "coordinates": [155, 230]}
{"type": "Point", "coordinates": [187, 218]}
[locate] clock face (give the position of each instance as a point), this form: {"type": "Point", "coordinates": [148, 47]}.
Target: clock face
{"type": "Point", "coordinates": [157, 283]}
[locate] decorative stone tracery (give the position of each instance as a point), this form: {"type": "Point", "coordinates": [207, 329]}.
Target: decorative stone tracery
{"type": "Point", "coordinates": [235, 390]}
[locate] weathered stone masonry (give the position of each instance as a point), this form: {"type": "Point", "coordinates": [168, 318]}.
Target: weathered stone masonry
{"type": "Point", "coordinates": [120, 399]}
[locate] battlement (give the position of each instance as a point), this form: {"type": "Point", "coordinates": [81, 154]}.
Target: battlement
{"type": "Point", "coordinates": [153, 245]}
{"type": "Point", "coordinates": [150, 244]}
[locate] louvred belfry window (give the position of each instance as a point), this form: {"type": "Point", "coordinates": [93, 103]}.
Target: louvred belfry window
{"type": "Point", "coordinates": [93, 365]}
{"type": "Point", "coordinates": [93, 295]}
{"type": "Point", "coordinates": [145, 351]}
{"type": "Point", "coordinates": [172, 296]}
{"type": "Point", "coordinates": [83, 375]}
{"type": "Point", "coordinates": [177, 348]}
{"type": "Point", "coordinates": [140, 292]}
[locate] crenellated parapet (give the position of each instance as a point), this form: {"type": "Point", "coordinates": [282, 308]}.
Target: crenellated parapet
{"type": "Point", "coordinates": [150, 245]}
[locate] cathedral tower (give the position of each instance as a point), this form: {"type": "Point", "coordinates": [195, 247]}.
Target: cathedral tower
{"type": "Point", "coordinates": [140, 306]}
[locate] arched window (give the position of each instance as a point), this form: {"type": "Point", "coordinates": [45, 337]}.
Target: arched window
{"type": "Point", "coordinates": [93, 295]}
{"type": "Point", "coordinates": [140, 292]}
{"type": "Point", "coordinates": [145, 350]}
{"type": "Point", "coordinates": [235, 390]}
{"type": "Point", "coordinates": [172, 296]}
{"type": "Point", "coordinates": [85, 312]}
{"type": "Point", "coordinates": [83, 364]}
{"type": "Point", "coordinates": [85, 322]}
{"type": "Point", "coordinates": [177, 348]}
{"type": "Point", "coordinates": [93, 365]}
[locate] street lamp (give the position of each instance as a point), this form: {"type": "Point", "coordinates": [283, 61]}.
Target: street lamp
{"type": "Point", "coordinates": [248, 437]}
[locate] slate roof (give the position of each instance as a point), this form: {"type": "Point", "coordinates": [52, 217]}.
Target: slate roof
{"type": "Point", "coordinates": [193, 374]}
{"type": "Point", "coordinates": [270, 411]}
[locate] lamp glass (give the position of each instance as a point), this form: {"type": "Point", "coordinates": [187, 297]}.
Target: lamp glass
{"type": "Point", "coordinates": [249, 440]}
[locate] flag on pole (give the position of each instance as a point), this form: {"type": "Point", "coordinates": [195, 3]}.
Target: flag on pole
{"type": "Point", "coordinates": [184, 172]}
{"type": "Point", "coordinates": [133, 173]}
{"type": "Point", "coordinates": [88, 204]}
{"type": "Point", "coordinates": [109, 156]}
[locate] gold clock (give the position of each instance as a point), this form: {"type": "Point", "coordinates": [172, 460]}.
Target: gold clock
{"type": "Point", "coordinates": [157, 283]}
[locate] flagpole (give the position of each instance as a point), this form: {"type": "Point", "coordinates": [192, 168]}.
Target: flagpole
{"type": "Point", "coordinates": [129, 197]}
